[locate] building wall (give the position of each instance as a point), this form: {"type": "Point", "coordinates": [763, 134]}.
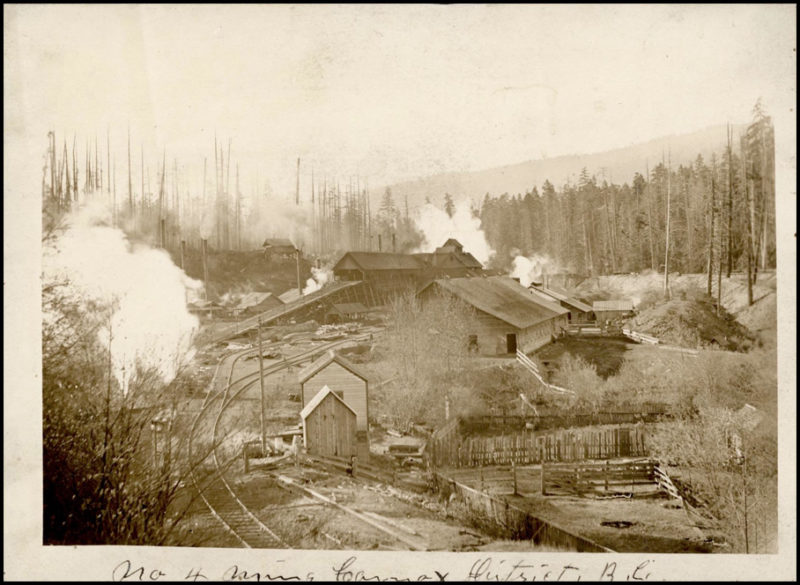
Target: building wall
{"type": "Point", "coordinates": [541, 334]}
{"type": "Point", "coordinates": [492, 333]}
{"type": "Point", "coordinates": [353, 390]}
{"type": "Point", "coordinates": [603, 316]}
{"type": "Point", "coordinates": [330, 430]}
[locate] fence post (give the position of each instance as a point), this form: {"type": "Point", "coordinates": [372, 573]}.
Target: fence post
{"type": "Point", "coordinates": [544, 493]}
{"type": "Point", "coordinates": [514, 475]}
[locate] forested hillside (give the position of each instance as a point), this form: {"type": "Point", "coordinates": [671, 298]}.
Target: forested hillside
{"type": "Point", "coordinates": [718, 210]}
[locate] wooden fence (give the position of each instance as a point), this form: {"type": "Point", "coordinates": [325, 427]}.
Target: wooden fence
{"type": "Point", "coordinates": [452, 449]}
{"type": "Point", "coordinates": [601, 477]}
{"type": "Point", "coordinates": [552, 419]}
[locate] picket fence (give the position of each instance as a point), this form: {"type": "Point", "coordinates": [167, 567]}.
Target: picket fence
{"type": "Point", "coordinates": [449, 448]}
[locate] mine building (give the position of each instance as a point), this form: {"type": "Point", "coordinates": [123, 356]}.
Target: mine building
{"type": "Point", "coordinates": [346, 312]}
{"type": "Point", "coordinates": [384, 270]}
{"type": "Point", "coordinates": [509, 317]}
{"type": "Point", "coordinates": [329, 426]}
{"type": "Point", "coordinates": [255, 302]}
{"type": "Point", "coordinates": [345, 380]}
{"type": "Point", "coordinates": [612, 309]}
{"type": "Point", "coordinates": [202, 308]}
{"type": "Point", "coordinates": [389, 273]}
{"type": "Point", "coordinates": [579, 312]}
{"type": "Point", "coordinates": [278, 249]}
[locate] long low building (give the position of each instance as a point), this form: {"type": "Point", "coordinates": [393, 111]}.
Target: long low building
{"type": "Point", "coordinates": [509, 316]}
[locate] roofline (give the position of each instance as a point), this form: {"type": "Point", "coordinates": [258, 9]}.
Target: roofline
{"type": "Point", "coordinates": [332, 393]}
{"type": "Point", "coordinates": [334, 357]}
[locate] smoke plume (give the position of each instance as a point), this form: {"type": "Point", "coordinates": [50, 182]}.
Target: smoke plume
{"type": "Point", "coordinates": [436, 227]}
{"type": "Point", "coordinates": [531, 268]}
{"type": "Point", "coordinates": [319, 277]}
{"type": "Point", "coordinates": [144, 292]}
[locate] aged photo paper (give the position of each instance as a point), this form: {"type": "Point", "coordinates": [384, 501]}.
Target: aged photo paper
{"type": "Point", "coordinates": [390, 292]}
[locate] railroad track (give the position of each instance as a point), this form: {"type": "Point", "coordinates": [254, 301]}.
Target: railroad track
{"type": "Point", "coordinates": [214, 489]}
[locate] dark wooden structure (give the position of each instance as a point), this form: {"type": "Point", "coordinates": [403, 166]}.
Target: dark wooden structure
{"type": "Point", "coordinates": [345, 312]}
{"type": "Point", "coordinates": [389, 274]}
{"type": "Point", "coordinates": [278, 249]}
{"type": "Point", "coordinates": [348, 382]}
{"type": "Point", "coordinates": [329, 426]}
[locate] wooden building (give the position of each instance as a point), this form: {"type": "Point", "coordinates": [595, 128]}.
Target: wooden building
{"type": "Point", "coordinates": [278, 249]}
{"type": "Point", "coordinates": [346, 312]}
{"type": "Point", "coordinates": [579, 312]}
{"type": "Point", "coordinates": [348, 382]}
{"type": "Point", "coordinates": [329, 426]}
{"type": "Point", "coordinates": [509, 317]}
{"type": "Point", "coordinates": [612, 310]}
{"type": "Point", "coordinates": [255, 302]}
{"type": "Point", "coordinates": [390, 273]}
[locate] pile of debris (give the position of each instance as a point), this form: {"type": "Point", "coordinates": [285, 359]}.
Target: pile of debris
{"type": "Point", "coordinates": [694, 324]}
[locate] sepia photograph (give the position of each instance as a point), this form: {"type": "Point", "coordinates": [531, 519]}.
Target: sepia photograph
{"type": "Point", "coordinates": [296, 292]}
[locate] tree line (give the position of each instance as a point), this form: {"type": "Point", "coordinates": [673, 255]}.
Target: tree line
{"type": "Point", "coordinates": [715, 215]}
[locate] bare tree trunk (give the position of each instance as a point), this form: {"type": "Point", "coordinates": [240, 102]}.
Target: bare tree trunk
{"type": "Point", "coordinates": [130, 183]}
{"type": "Point", "coordinates": [666, 246]}
{"type": "Point", "coordinates": [650, 221]}
{"type": "Point", "coordinates": [711, 232]}
{"type": "Point", "coordinates": [730, 206]}
{"type": "Point", "coordinates": [749, 232]}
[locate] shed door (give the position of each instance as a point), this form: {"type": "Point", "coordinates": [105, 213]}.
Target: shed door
{"type": "Point", "coordinates": [511, 343]}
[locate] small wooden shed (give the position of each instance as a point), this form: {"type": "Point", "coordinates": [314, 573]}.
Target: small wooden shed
{"type": "Point", "coordinates": [348, 382]}
{"type": "Point", "coordinates": [329, 426]}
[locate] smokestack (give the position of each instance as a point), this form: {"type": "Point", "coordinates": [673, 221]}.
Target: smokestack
{"type": "Point", "coordinates": [394, 243]}
{"type": "Point", "coordinates": [379, 243]}
{"type": "Point", "coordinates": [297, 259]}
{"type": "Point", "coordinates": [183, 255]}
{"type": "Point", "coordinates": [204, 248]}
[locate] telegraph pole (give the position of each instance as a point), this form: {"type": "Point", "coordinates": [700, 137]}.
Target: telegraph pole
{"type": "Point", "coordinates": [261, 383]}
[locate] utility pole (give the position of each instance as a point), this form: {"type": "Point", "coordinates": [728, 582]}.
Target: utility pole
{"type": "Point", "coordinates": [297, 262]}
{"type": "Point", "coordinates": [204, 250]}
{"type": "Point", "coordinates": [263, 395]}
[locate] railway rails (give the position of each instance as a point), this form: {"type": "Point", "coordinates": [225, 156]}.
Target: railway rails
{"type": "Point", "coordinates": [214, 488]}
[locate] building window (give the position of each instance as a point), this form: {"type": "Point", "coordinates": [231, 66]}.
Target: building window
{"type": "Point", "coordinates": [472, 345]}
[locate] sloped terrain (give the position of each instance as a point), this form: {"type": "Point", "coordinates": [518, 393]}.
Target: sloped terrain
{"type": "Point", "coordinates": [694, 324]}
{"type": "Point", "coordinates": [646, 291]}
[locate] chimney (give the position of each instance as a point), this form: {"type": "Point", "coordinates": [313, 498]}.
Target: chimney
{"type": "Point", "coordinates": [379, 243]}
{"type": "Point", "coordinates": [394, 243]}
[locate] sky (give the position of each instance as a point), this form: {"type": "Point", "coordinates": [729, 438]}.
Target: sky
{"type": "Point", "coordinates": [387, 92]}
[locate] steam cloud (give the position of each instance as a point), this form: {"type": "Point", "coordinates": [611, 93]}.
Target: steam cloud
{"type": "Point", "coordinates": [319, 277]}
{"type": "Point", "coordinates": [146, 293]}
{"type": "Point", "coordinates": [437, 227]}
{"type": "Point", "coordinates": [531, 268]}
